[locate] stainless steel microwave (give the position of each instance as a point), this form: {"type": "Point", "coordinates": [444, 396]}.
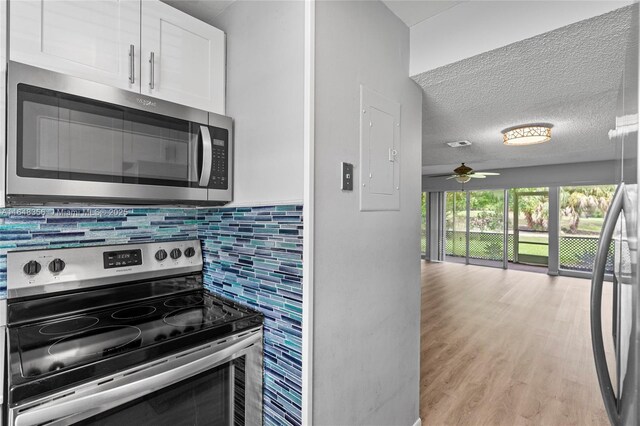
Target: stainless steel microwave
{"type": "Point", "coordinates": [73, 140]}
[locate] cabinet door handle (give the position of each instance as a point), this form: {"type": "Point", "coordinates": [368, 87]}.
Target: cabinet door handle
{"type": "Point", "coordinates": [151, 67]}
{"type": "Point", "coordinates": [132, 64]}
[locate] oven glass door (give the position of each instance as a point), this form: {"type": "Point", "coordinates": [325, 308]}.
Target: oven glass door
{"type": "Point", "coordinates": [66, 137]}
{"type": "Point", "coordinates": [215, 397]}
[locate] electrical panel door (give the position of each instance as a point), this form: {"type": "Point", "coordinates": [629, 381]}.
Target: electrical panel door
{"type": "Point", "coordinates": [379, 152]}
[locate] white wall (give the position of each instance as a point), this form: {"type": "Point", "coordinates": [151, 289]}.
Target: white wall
{"type": "Point", "coordinates": [367, 264]}
{"type": "Point", "coordinates": [265, 53]}
{"type": "Point", "coordinates": [474, 27]}
{"type": "Point", "coordinates": [3, 91]}
{"type": "Point", "coordinates": [591, 173]}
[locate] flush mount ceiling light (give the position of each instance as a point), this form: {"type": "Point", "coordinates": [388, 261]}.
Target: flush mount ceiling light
{"type": "Point", "coordinates": [529, 134]}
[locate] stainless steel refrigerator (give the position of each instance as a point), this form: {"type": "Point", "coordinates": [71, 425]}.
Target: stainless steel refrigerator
{"type": "Point", "coordinates": [619, 379]}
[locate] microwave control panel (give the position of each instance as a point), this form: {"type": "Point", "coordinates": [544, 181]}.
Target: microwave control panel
{"type": "Point", "coordinates": [219, 165]}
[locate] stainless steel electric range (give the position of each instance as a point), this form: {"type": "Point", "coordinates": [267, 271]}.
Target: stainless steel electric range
{"type": "Point", "coordinates": [126, 334]}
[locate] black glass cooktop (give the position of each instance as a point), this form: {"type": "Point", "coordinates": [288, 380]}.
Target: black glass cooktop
{"type": "Point", "coordinates": [48, 355]}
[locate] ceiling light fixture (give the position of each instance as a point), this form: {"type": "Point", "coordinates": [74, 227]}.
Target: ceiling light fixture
{"type": "Point", "coordinates": [529, 134]}
{"type": "Point", "coordinates": [463, 178]}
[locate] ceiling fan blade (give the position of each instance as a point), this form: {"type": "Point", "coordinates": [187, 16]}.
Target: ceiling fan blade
{"type": "Point", "coordinates": [477, 176]}
{"type": "Point", "coordinates": [488, 173]}
{"type": "Point", "coordinates": [452, 177]}
{"type": "Point", "coordinates": [436, 176]}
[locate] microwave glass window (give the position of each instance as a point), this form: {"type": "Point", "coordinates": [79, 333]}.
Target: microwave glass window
{"type": "Point", "coordinates": [160, 151]}
{"type": "Point", "coordinates": [53, 137]}
{"type": "Point", "coordinates": [62, 136]}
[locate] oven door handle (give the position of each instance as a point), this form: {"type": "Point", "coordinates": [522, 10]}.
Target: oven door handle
{"type": "Point", "coordinates": [207, 156]}
{"type": "Point", "coordinates": [105, 400]}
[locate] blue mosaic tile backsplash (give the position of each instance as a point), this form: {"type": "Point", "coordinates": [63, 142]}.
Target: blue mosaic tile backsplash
{"type": "Point", "coordinates": [254, 256]}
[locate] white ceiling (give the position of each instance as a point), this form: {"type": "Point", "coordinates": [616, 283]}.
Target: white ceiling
{"type": "Point", "coordinates": [413, 12]}
{"type": "Point", "coordinates": [569, 77]}
{"type": "Point", "coordinates": [410, 11]}
{"type": "Point", "coordinates": [205, 10]}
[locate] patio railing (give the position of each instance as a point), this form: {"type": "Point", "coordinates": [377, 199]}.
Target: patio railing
{"type": "Point", "coordinates": [576, 253]}
{"type": "Point", "coordinates": [482, 245]}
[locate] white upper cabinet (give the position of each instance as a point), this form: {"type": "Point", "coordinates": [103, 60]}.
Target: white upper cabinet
{"type": "Point", "coordinates": [112, 42]}
{"type": "Point", "coordinates": [183, 59]}
{"type": "Point", "coordinates": [87, 39]}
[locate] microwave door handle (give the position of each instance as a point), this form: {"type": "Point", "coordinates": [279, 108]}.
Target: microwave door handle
{"type": "Point", "coordinates": [207, 156]}
{"type": "Point", "coordinates": [105, 400]}
{"type": "Point", "coordinates": [597, 280]}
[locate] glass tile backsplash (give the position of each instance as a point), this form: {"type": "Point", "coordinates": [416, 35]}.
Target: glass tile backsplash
{"type": "Point", "coordinates": [254, 256]}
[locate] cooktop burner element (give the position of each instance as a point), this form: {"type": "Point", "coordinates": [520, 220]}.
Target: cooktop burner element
{"type": "Point", "coordinates": [55, 351]}
{"type": "Point", "coordinates": [68, 326]}
{"type": "Point", "coordinates": [96, 341]}
{"type": "Point", "coordinates": [183, 301]}
{"type": "Point", "coordinates": [133, 312]}
{"type": "Point", "coordinates": [196, 316]}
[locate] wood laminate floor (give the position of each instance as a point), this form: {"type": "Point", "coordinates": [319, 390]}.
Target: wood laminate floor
{"type": "Point", "coordinates": [507, 348]}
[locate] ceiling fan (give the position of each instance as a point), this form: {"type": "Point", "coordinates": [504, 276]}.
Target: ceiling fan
{"type": "Point", "coordinates": [464, 174]}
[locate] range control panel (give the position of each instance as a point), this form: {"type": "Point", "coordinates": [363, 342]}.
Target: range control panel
{"type": "Point", "coordinates": [115, 259]}
{"type": "Point", "coordinates": [35, 272]}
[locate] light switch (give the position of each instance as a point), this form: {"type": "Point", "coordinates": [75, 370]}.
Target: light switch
{"type": "Point", "coordinates": [347, 176]}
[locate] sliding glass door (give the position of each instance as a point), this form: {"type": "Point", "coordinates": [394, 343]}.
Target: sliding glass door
{"type": "Point", "coordinates": [424, 242]}
{"type": "Point", "coordinates": [531, 226]}
{"type": "Point", "coordinates": [475, 228]}
{"type": "Point", "coordinates": [475, 231]}
{"type": "Point", "coordinates": [456, 226]}
{"type": "Point", "coordinates": [582, 211]}
{"type": "Point", "coordinates": [486, 228]}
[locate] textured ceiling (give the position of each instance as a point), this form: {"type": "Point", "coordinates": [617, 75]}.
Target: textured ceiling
{"type": "Point", "coordinates": [413, 12]}
{"type": "Point", "coordinates": [568, 77]}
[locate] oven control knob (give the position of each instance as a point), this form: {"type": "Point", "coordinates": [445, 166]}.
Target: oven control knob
{"type": "Point", "coordinates": [189, 252]}
{"type": "Point", "coordinates": [56, 265]}
{"type": "Point", "coordinates": [161, 255]}
{"type": "Point", "coordinates": [176, 253]}
{"type": "Point", "coordinates": [31, 268]}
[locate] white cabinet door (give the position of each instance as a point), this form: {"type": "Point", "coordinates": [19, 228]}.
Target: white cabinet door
{"type": "Point", "coordinates": [188, 58]}
{"type": "Point", "coordinates": [87, 39]}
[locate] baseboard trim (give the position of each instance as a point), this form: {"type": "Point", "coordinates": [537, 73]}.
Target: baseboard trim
{"type": "Point", "coordinates": [418, 422]}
